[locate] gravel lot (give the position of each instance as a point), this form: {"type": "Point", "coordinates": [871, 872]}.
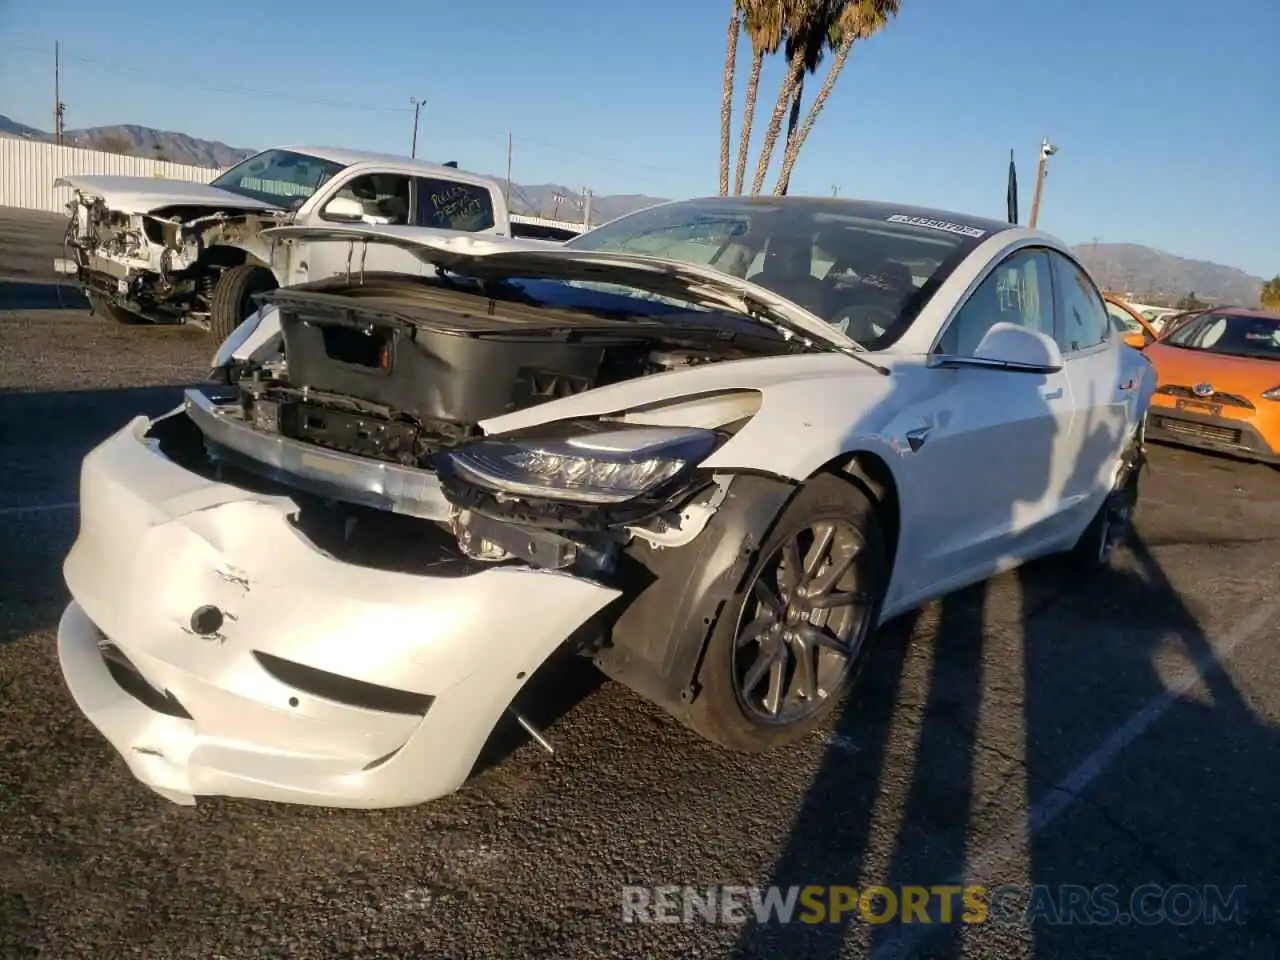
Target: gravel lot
{"type": "Point", "coordinates": [1032, 731]}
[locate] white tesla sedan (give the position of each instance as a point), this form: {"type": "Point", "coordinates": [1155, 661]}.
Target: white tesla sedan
{"type": "Point", "coordinates": [712, 444]}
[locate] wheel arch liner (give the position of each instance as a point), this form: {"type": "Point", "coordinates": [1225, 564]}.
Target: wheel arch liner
{"type": "Point", "coordinates": [656, 643]}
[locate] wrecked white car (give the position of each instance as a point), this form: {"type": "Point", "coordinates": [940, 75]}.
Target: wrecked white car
{"type": "Point", "coordinates": [711, 445]}
{"type": "Point", "coordinates": [173, 251]}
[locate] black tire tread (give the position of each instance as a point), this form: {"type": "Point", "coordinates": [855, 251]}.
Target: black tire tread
{"type": "Point", "coordinates": [715, 713]}
{"type": "Point", "coordinates": [230, 294]}
{"type": "Point", "coordinates": [120, 315]}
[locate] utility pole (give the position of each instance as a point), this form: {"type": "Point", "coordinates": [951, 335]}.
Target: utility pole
{"type": "Point", "coordinates": [1047, 150]}
{"type": "Point", "coordinates": [59, 108]}
{"type": "Point", "coordinates": [417, 106]}
{"type": "Point", "coordinates": [507, 196]}
{"type": "Point", "coordinates": [586, 208]}
{"type": "Point", "coordinates": [835, 189]}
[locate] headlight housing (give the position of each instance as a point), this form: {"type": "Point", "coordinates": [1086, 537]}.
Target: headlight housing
{"type": "Point", "coordinates": [1272, 394]}
{"type": "Point", "coordinates": [611, 464]}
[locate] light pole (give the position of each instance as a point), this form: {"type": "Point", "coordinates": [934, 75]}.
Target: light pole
{"type": "Point", "coordinates": [417, 106]}
{"type": "Point", "coordinates": [1047, 150]}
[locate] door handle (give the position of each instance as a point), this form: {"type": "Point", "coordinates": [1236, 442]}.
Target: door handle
{"type": "Point", "coordinates": [917, 437]}
{"type": "Point", "coordinates": [1054, 395]}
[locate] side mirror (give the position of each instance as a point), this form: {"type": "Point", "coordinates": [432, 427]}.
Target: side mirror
{"type": "Point", "coordinates": [343, 210]}
{"type": "Point", "coordinates": [1012, 347]}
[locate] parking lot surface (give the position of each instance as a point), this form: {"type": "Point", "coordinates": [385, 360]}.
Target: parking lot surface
{"type": "Point", "coordinates": [1122, 730]}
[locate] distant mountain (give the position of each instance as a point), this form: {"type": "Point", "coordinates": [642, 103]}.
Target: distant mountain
{"type": "Point", "coordinates": [1155, 277]}
{"type": "Point", "coordinates": [11, 128]}
{"type": "Point", "coordinates": [545, 200]}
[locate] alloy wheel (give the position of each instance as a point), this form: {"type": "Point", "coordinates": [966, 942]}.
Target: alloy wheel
{"type": "Point", "coordinates": [805, 617]}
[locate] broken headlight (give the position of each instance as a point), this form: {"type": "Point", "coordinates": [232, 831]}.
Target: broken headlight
{"type": "Point", "coordinates": [610, 466]}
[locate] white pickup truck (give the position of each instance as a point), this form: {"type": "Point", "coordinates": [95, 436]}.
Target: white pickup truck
{"type": "Point", "coordinates": [176, 251]}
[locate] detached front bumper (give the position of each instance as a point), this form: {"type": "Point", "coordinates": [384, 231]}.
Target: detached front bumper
{"type": "Point", "coordinates": [222, 653]}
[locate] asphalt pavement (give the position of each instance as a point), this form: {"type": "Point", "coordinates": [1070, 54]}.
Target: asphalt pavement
{"type": "Point", "coordinates": [1115, 733]}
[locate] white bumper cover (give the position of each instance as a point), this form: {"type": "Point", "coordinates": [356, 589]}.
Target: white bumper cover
{"type": "Point", "coordinates": [157, 542]}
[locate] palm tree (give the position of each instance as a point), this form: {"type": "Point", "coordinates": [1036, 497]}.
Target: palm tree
{"type": "Point", "coordinates": [1271, 294]}
{"type": "Point", "coordinates": [815, 42]}
{"type": "Point", "coordinates": [726, 100]}
{"type": "Point", "coordinates": [859, 20]}
{"type": "Point", "coordinates": [803, 20]}
{"type": "Point", "coordinates": [764, 24]}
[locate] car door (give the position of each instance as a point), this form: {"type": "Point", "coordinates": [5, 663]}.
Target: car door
{"type": "Point", "coordinates": [387, 201]}
{"type": "Point", "coordinates": [984, 441]}
{"type": "Point", "coordinates": [1092, 359]}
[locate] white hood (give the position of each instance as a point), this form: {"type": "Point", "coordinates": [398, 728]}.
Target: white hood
{"type": "Point", "coordinates": [145, 194]}
{"type": "Point", "coordinates": [498, 257]}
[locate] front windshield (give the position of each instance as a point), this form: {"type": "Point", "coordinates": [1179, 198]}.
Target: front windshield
{"type": "Point", "coordinates": [1230, 334]}
{"type": "Point", "coordinates": [279, 177]}
{"type": "Point", "coordinates": [866, 274]}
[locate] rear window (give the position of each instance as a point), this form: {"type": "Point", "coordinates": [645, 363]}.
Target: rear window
{"type": "Point", "coordinates": [453, 205]}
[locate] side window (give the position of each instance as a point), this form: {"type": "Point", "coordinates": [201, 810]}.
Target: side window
{"type": "Point", "coordinates": [452, 205]}
{"type": "Point", "coordinates": [1082, 318]}
{"type": "Point", "coordinates": [384, 197]}
{"type": "Point", "coordinates": [1121, 322]}
{"type": "Point", "coordinates": [1017, 291]}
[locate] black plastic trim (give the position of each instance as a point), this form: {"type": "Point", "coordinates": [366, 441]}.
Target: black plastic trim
{"type": "Point", "coordinates": [344, 690]}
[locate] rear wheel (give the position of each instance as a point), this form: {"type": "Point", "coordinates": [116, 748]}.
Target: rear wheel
{"type": "Point", "coordinates": [1112, 525]}
{"type": "Point", "coordinates": [785, 648]}
{"type": "Point", "coordinates": [105, 308]}
{"type": "Point", "coordinates": [232, 303]}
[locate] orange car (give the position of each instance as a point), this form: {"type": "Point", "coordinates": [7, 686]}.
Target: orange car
{"type": "Point", "coordinates": [1218, 384]}
{"type": "Point", "coordinates": [1129, 323]}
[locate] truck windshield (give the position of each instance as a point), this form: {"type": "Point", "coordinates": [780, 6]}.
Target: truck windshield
{"type": "Point", "coordinates": [279, 177]}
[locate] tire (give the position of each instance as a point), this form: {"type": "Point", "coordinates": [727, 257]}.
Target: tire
{"type": "Point", "coordinates": [231, 302]}
{"type": "Point", "coordinates": [1112, 526]}
{"type": "Point", "coordinates": [103, 307]}
{"type": "Point", "coordinates": [733, 714]}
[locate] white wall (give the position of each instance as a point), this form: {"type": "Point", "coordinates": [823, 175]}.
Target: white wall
{"type": "Point", "coordinates": [28, 169]}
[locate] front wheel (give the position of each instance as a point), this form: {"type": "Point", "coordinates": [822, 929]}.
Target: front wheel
{"type": "Point", "coordinates": [784, 650]}
{"type": "Point", "coordinates": [232, 300]}
{"type": "Point", "coordinates": [103, 307]}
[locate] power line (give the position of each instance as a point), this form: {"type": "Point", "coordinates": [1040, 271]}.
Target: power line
{"type": "Point", "coordinates": [178, 80]}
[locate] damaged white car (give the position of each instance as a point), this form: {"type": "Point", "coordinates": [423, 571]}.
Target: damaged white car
{"type": "Point", "coordinates": [713, 445]}
{"type": "Point", "coordinates": [177, 251]}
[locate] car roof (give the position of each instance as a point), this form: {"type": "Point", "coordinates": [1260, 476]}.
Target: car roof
{"type": "Point", "coordinates": [870, 209]}
{"type": "Point", "coordinates": [1242, 312]}
{"type": "Point", "coordinates": [349, 157]}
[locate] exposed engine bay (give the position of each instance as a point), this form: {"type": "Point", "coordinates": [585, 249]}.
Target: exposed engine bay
{"type": "Point", "coordinates": [163, 264]}
{"type": "Point", "coordinates": [387, 382]}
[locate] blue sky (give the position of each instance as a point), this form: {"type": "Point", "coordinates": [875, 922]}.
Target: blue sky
{"type": "Point", "coordinates": [1165, 114]}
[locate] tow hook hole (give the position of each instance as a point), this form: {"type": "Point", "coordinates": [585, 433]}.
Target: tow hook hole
{"type": "Point", "coordinates": [520, 675]}
{"type": "Point", "coordinates": [293, 701]}
{"type": "Point", "coordinates": [206, 621]}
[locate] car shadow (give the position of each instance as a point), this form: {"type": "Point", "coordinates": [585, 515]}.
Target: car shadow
{"type": "Point", "coordinates": [44, 436]}
{"type": "Point", "coordinates": [41, 295]}
{"type": "Point", "coordinates": [1106, 663]}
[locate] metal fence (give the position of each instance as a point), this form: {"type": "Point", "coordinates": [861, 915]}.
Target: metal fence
{"type": "Point", "coordinates": [28, 169]}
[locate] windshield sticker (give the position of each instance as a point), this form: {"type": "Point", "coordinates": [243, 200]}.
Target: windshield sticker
{"type": "Point", "coordinates": [949, 227]}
